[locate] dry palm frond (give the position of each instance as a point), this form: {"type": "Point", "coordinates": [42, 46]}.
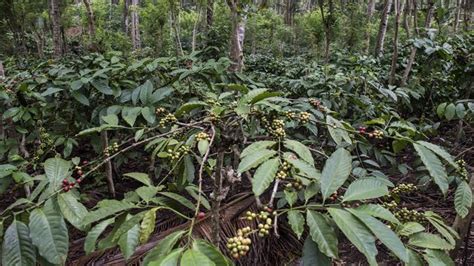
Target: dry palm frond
{"type": "Point", "coordinates": [269, 250]}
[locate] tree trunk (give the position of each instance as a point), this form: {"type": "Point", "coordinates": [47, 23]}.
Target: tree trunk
{"type": "Point", "coordinates": [126, 17]}
{"type": "Point", "coordinates": [237, 37]}
{"type": "Point", "coordinates": [2, 71]}
{"type": "Point", "coordinates": [209, 14]}
{"type": "Point", "coordinates": [411, 60]}
{"type": "Point", "coordinates": [175, 27]}
{"type": "Point", "coordinates": [108, 165]}
{"type": "Point", "coordinates": [370, 13]}
{"type": "Point", "coordinates": [406, 13]}
{"type": "Point", "coordinates": [90, 20]}
{"type": "Point", "coordinates": [467, 14]}
{"type": "Point", "coordinates": [457, 15]}
{"type": "Point", "coordinates": [327, 21]}
{"type": "Point", "coordinates": [399, 5]}
{"type": "Point", "coordinates": [115, 2]}
{"type": "Point", "coordinates": [135, 25]}
{"type": "Point", "coordinates": [16, 28]}
{"type": "Point", "coordinates": [56, 27]}
{"type": "Point", "coordinates": [383, 28]}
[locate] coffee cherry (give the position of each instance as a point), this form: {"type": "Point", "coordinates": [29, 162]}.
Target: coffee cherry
{"type": "Point", "coordinates": [201, 215]}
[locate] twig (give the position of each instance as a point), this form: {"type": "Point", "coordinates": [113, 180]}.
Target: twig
{"type": "Point", "coordinates": [275, 189]}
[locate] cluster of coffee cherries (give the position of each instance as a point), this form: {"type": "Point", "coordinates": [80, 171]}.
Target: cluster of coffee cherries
{"type": "Point", "coordinates": [264, 219]}
{"type": "Point", "coordinates": [277, 128]}
{"type": "Point", "coordinates": [377, 134]}
{"type": "Point", "coordinates": [78, 174]}
{"type": "Point", "coordinates": [462, 171]}
{"type": "Point", "coordinates": [315, 102]}
{"type": "Point", "coordinates": [240, 244]}
{"type": "Point", "coordinates": [405, 215]}
{"type": "Point", "coordinates": [182, 150]}
{"type": "Point", "coordinates": [304, 117]}
{"type": "Point", "coordinates": [334, 196]}
{"type": "Point", "coordinates": [290, 115]}
{"type": "Point", "coordinates": [111, 149]}
{"type": "Point", "coordinates": [167, 120]}
{"type": "Point", "coordinates": [45, 141]}
{"type": "Point", "coordinates": [202, 136]}
{"type": "Point", "coordinates": [403, 188]}
{"type": "Point", "coordinates": [296, 183]}
{"type": "Point", "coordinates": [160, 111]}
{"type": "Point", "coordinates": [284, 170]}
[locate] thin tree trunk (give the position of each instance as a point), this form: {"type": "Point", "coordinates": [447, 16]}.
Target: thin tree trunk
{"type": "Point", "coordinates": [216, 201]}
{"type": "Point", "coordinates": [126, 17]}
{"type": "Point", "coordinates": [399, 5]}
{"type": "Point", "coordinates": [115, 2]}
{"type": "Point", "coordinates": [209, 14]}
{"type": "Point", "coordinates": [2, 70]}
{"type": "Point", "coordinates": [237, 37]}
{"type": "Point", "coordinates": [108, 165]}
{"type": "Point", "coordinates": [90, 20]}
{"type": "Point", "coordinates": [135, 27]}
{"type": "Point", "coordinates": [370, 13]}
{"type": "Point", "coordinates": [56, 27]}
{"type": "Point", "coordinates": [406, 13]}
{"type": "Point", "coordinates": [175, 26]}
{"type": "Point", "coordinates": [411, 60]}
{"type": "Point", "coordinates": [467, 14]}
{"type": "Point", "coordinates": [383, 28]}
{"type": "Point", "coordinates": [327, 21]}
{"type": "Point", "coordinates": [457, 15]}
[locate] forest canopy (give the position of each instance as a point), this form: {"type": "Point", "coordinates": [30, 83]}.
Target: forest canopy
{"type": "Point", "coordinates": [236, 132]}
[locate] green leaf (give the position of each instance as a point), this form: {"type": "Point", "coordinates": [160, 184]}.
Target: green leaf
{"type": "Point", "coordinates": [94, 233]}
{"type": "Point", "coordinates": [184, 201]}
{"type": "Point", "coordinates": [102, 86]}
{"type": "Point", "coordinates": [300, 149]}
{"type": "Point", "coordinates": [441, 109]}
{"type": "Point", "coordinates": [440, 152]}
{"type": "Point", "coordinates": [108, 208]}
{"type": "Point", "coordinates": [460, 110]}
{"type": "Point", "coordinates": [49, 234]}
{"type": "Point", "coordinates": [128, 242]}
{"type": "Point", "coordinates": [264, 176]}
{"type": "Point", "coordinates": [450, 111]}
{"type": "Point", "coordinates": [435, 167]}
{"type": "Point", "coordinates": [195, 258]}
{"type": "Point", "coordinates": [312, 256]}
{"type": "Point", "coordinates": [305, 168]}
{"type": "Point", "coordinates": [378, 211]}
{"type": "Point", "coordinates": [129, 224]}
{"type": "Point", "coordinates": [335, 172]}
{"type": "Point", "coordinates": [437, 258]}
{"type": "Point", "coordinates": [410, 228]}
{"type": "Point", "coordinates": [188, 107]}
{"type": "Point", "coordinates": [138, 134]}
{"type": "Point", "coordinates": [140, 177]}
{"type": "Point", "coordinates": [257, 95]}
{"type": "Point", "coordinates": [463, 199]}
{"type": "Point", "coordinates": [149, 114]}
{"type": "Point", "coordinates": [427, 240]}
{"type": "Point", "coordinates": [356, 232]}
{"type": "Point", "coordinates": [336, 130]}
{"type": "Point", "coordinates": [163, 247]}
{"type": "Point", "coordinates": [17, 248]}
{"type": "Point", "coordinates": [148, 225]}
{"type": "Point", "coordinates": [296, 220]}
{"type": "Point", "coordinates": [414, 259]}
{"type": "Point", "coordinates": [80, 98]}
{"type": "Point", "coordinates": [72, 209]}
{"type": "Point", "coordinates": [56, 169]}
{"type": "Point", "coordinates": [130, 114]}
{"type": "Point", "coordinates": [322, 233]}
{"type": "Point", "coordinates": [50, 90]}
{"type": "Point", "coordinates": [384, 234]}
{"type": "Point", "coordinates": [256, 146]}
{"type": "Point", "coordinates": [203, 145]}
{"type": "Point", "coordinates": [147, 193]}
{"type": "Point", "coordinates": [255, 159]}
{"type": "Point", "coordinates": [363, 189]}
{"type": "Point", "coordinates": [211, 252]}
{"type": "Point", "coordinates": [171, 259]}
{"type": "Point", "coordinates": [446, 231]}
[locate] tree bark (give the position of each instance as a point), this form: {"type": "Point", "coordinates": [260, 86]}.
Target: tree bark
{"type": "Point", "coordinates": [411, 60]}
{"type": "Point", "coordinates": [237, 37]}
{"type": "Point", "coordinates": [370, 13]}
{"type": "Point", "coordinates": [383, 28]}
{"type": "Point", "coordinates": [126, 16]}
{"type": "Point", "coordinates": [90, 20]}
{"type": "Point", "coordinates": [399, 5]}
{"type": "Point", "coordinates": [406, 13]}
{"type": "Point", "coordinates": [327, 21]}
{"type": "Point", "coordinates": [55, 14]}
{"type": "Point", "coordinates": [135, 25]}
{"type": "Point", "coordinates": [457, 15]}
{"type": "Point", "coordinates": [2, 70]}
{"type": "Point", "coordinates": [115, 2]}
{"type": "Point", "coordinates": [175, 27]}
{"type": "Point", "coordinates": [209, 14]}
